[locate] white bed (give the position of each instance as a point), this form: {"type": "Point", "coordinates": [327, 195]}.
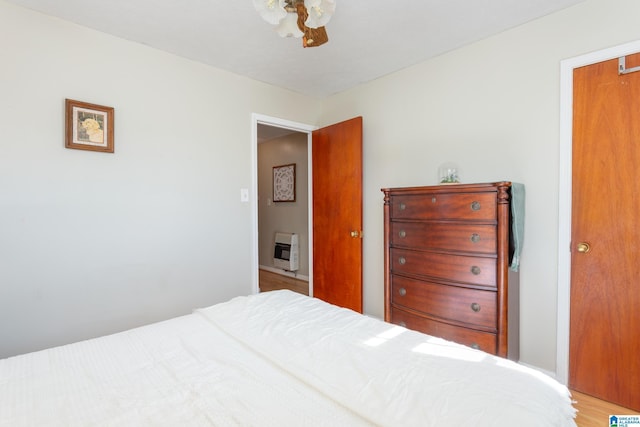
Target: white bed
{"type": "Point", "coordinates": [274, 359]}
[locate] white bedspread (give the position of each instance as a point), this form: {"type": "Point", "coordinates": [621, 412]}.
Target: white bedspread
{"type": "Point", "coordinates": [274, 359]}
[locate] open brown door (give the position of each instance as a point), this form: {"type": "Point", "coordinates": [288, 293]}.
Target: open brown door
{"type": "Point", "coordinates": [604, 348]}
{"type": "Point", "coordinates": [337, 214]}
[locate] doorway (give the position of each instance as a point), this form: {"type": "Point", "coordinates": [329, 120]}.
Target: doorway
{"type": "Point", "coordinates": [266, 128]}
{"type": "Point", "coordinates": [283, 209]}
{"type": "Point", "coordinates": [565, 195]}
{"type": "Point", "coordinates": [335, 206]}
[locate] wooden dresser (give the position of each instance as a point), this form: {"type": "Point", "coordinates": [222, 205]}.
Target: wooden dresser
{"type": "Point", "coordinates": [447, 252]}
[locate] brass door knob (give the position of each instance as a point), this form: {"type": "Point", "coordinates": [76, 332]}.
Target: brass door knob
{"type": "Point", "coordinates": [355, 234]}
{"type": "Point", "coordinates": [583, 247]}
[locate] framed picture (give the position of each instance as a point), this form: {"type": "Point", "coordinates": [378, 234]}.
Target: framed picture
{"type": "Point", "coordinates": [88, 126]}
{"type": "Point", "coordinates": [284, 183]}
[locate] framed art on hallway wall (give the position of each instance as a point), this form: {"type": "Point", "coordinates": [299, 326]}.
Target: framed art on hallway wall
{"type": "Point", "coordinates": [284, 183]}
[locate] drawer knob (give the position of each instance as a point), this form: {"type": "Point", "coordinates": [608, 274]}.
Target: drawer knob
{"type": "Point", "coordinates": [475, 270]}
{"type": "Point", "coordinates": [475, 346]}
{"type": "Point", "coordinates": [402, 292]}
{"type": "Point", "coordinates": [402, 260]}
{"type": "Point", "coordinates": [402, 234]}
{"type": "Point", "coordinates": [475, 206]}
{"type": "Point", "coordinates": [475, 238]}
{"type": "Point", "coordinates": [475, 307]}
{"type": "Point", "coordinates": [402, 206]}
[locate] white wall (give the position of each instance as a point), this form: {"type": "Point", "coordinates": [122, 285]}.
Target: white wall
{"type": "Point", "coordinates": [492, 107]}
{"type": "Point", "coordinates": [92, 243]}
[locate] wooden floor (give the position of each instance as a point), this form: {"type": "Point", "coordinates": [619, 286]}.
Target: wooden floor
{"type": "Point", "coordinates": [594, 412]}
{"type": "Point", "coordinates": [270, 281]}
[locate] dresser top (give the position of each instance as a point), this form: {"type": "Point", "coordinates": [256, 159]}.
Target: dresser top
{"type": "Point", "coordinates": [451, 188]}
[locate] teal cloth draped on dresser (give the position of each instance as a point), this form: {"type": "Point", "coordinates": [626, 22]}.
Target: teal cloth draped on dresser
{"type": "Point", "coordinates": [517, 224]}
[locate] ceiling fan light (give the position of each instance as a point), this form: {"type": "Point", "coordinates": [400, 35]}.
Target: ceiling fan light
{"type": "Point", "coordinates": [289, 26]}
{"type": "Point", "coordinates": [313, 37]}
{"type": "Point", "coordinates": [320, 12]}
{"type": "Point", "coordinates": [272, 11]}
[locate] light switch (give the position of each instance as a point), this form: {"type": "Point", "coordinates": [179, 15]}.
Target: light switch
{"type": "Point", "coordinates": [244, 194]}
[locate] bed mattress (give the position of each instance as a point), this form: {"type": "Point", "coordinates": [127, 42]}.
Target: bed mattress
{"type": "Point", "coordinates": [275, 359]}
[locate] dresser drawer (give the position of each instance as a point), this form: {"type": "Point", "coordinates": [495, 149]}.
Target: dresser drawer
{"type": "Point", "coordinates": [465, 206]}
{"type": "Point", "coordinates": [456, 268]}
{"type": "Point", "coordinates": [445, 236]}
{"type": "Point", "coordinates": [471, 306]}
{"type": "Point", "coordinates": [483, 340]}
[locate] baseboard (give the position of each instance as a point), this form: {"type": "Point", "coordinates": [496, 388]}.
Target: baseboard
{"type": "Point", "coordinates": [284, 273]}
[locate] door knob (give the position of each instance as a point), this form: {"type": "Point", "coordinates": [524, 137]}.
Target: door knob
{"type": "Point", "coordinates": [583, 247]}
{"type": "Point", "coordinates": [356, 233]}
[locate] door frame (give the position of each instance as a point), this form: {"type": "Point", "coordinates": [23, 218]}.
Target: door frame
{"type": "Point", "coordinates": [564, 194]}
{"type": "Point", "coordinates": [257, 119]}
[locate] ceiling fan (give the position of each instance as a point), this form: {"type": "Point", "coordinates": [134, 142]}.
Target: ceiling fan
{"type": "Point", "coordinates": [298, 18]}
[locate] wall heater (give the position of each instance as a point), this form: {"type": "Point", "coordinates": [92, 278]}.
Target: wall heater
{"type": "Point", "coordinates": [285, 253]}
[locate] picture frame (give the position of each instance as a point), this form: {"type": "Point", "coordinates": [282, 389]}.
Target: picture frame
{"type": "Point", "coordinates": [89, 126]}
{"type": "Point", "coordinates": [284, 183]}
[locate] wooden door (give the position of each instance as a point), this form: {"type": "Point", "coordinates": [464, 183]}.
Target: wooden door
{"type": "Point", "coordinates": [337, 214]}
{"type": "Point", "coordinates": [604, 348]}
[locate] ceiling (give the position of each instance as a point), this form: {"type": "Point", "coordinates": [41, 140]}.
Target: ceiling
{"type": "Point", "coordinates": [267, 133]}
{"type": "Point", "coordinates": [367, 38]}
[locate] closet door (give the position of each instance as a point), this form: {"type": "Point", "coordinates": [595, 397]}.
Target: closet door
{"type": "Point", "coordinates": [604, 344]}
